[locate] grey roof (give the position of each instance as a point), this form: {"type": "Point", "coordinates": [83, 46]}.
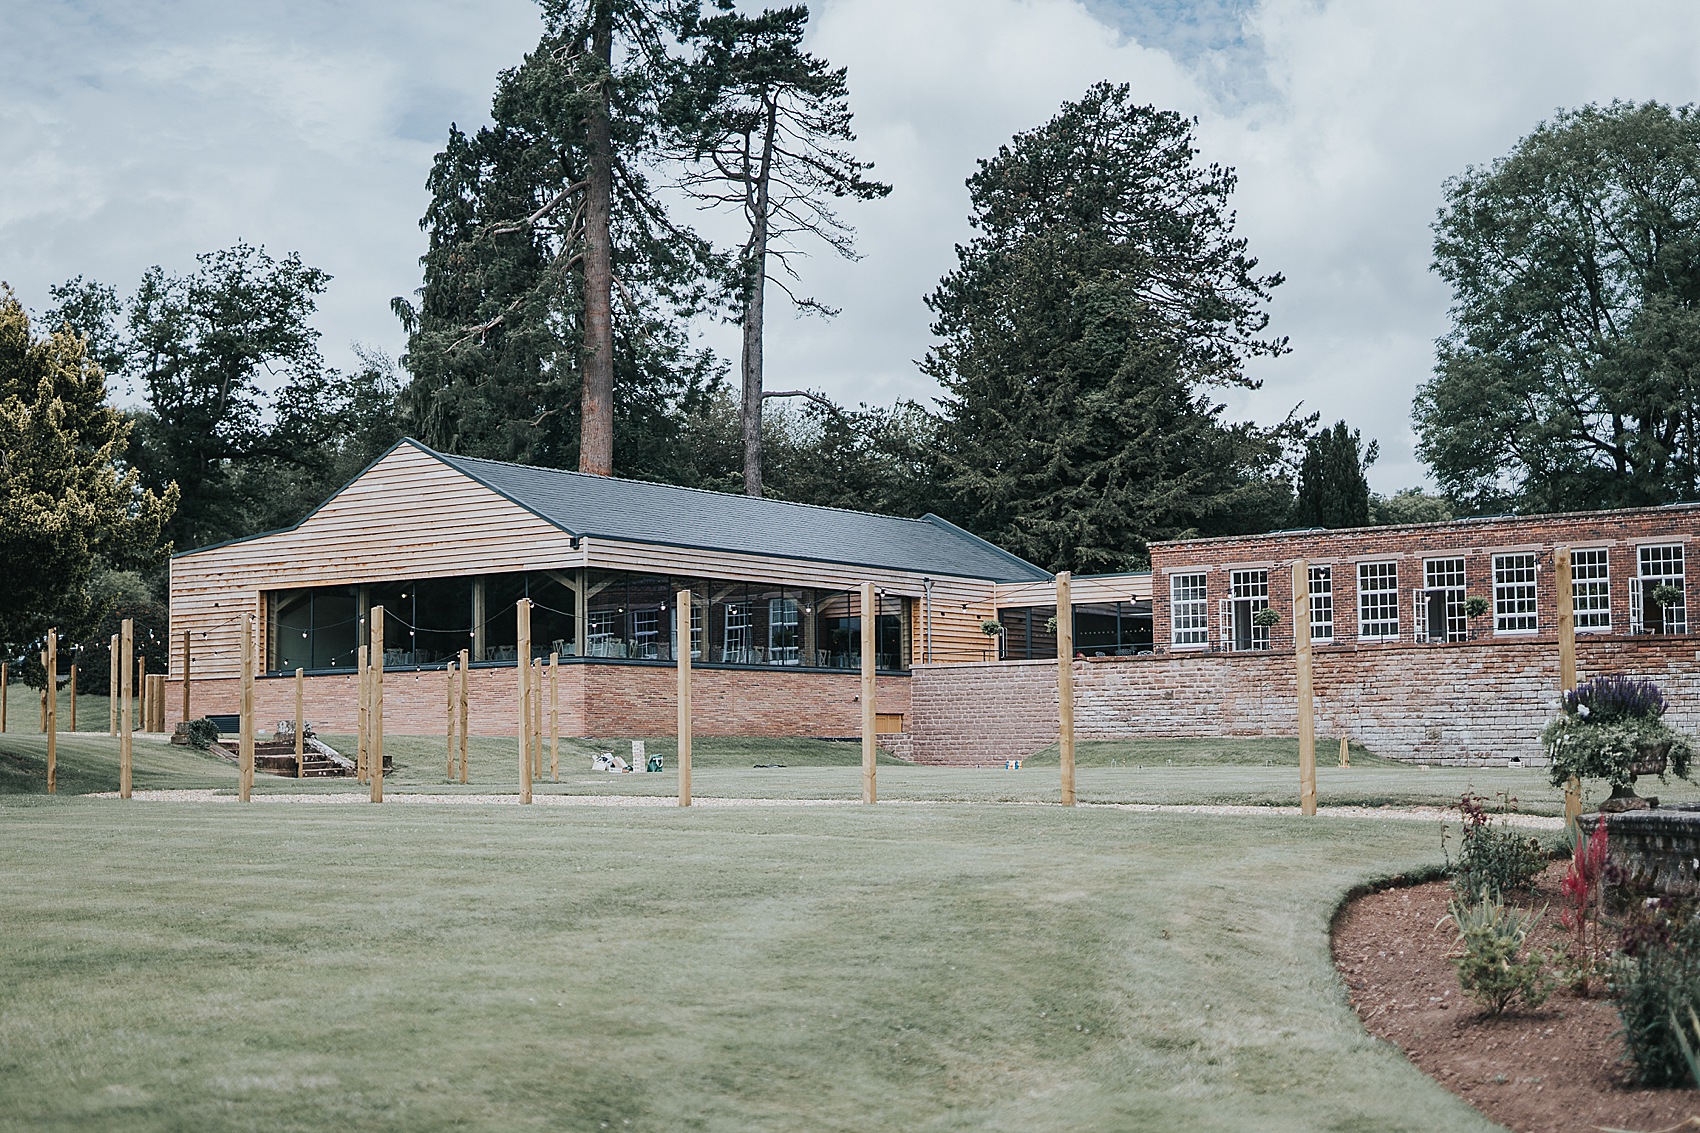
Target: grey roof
{"type": "Point", "coordinates": [640, 511]}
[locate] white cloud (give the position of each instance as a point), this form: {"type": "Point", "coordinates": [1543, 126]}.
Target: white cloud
{"type": "Point", "coordinates": [144, 132]}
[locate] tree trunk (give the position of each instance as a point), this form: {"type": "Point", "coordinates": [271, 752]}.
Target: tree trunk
{"type": "Point", "coordinates": [755, 307]}
{"type": "Point", "coordinates": [596, 428]}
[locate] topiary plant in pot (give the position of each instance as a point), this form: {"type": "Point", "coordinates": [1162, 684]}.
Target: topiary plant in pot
{"type": "Point", "coordinates": [1612, 728]}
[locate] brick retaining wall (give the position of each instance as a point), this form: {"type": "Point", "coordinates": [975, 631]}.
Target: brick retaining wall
{"type": "Point", "coordinates": [596, 700]}
{"type": "Point", "coordinates": [1430, 703]}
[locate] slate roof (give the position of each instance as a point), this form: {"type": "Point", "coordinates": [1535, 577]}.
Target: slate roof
{"type": "Point", "coordinates": [640, 511]}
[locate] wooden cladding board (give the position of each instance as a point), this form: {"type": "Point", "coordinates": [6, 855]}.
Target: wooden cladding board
{"type": "Point", "coordinates": [1085, 590]}
{"type": "Point", "coordinates": [412, 516]}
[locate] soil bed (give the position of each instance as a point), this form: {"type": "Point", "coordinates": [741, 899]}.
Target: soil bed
{"type": "Point", "coordinates": [1556, 1070]}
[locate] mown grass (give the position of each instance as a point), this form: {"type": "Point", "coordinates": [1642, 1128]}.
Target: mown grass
{"type": "Point", "coordinates": [211, 966]}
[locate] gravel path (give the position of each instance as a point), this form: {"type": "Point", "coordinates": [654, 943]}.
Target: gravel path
{"type": "Point", "coordinates": [402, 798]}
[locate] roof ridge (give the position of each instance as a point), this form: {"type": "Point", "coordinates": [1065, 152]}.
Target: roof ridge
{"type": "Point", "coordinates": [677, 487]}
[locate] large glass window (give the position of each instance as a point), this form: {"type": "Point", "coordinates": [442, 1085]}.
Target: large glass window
{"type": "Point", "coordinates": [1514, 593]}
{"type": "Point", "coordinates": [1378, 601]}
{"type": "Point", "coordinates": [1590, 590]}
{"type": "Point", "coordinates": [1440, 605]}
{"type": "Point", "coordinates": [1110, 629]}
{"type": "Point", "coordinates": [1248, 592]}
{"type": "Point", "coordinates": [1321, 603]}
{"type": "Point", "coordinates": [1189, 617]}
{"type": "Point", "coordinates": [1658, 594]}
{"type": "Point", "coordinates": [314, 629]}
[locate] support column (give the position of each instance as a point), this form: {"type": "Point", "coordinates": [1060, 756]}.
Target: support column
{"type": "Point", "coordinates": [1065, 683]}
{"type": "Point", "coordinates": [1306, 690]}
{"type": "Point", "coordinates": [1567, 662]}
{"type": "Point", "coordinates": [686, 728]}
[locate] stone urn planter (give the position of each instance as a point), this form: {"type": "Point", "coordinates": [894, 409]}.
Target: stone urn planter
{"type": "Point", "coordinates": [1611, 728]}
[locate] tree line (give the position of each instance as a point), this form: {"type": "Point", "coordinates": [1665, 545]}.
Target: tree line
{"type": "Point", "coordinates": [1083, 341]}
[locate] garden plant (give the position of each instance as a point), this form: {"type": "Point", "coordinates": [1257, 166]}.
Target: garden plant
{"type": "Point", "coordinates": [1612, 728]}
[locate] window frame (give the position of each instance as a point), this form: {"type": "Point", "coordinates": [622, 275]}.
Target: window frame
{"type": "Point", "coordinates": [1384, 597]}
{"type": "Point", "coordinates": [1322, 597]}
{"type": "Point", "coordinates": [1189, 616]}
{"type": "Point", "coordinates": [1598, 586]}
{"type": "Point", "coordinates": [1508, 599]}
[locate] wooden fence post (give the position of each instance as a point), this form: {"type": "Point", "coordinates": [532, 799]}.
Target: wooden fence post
{"type": "Point", "coordinates": [142, 717]}
{"type": "Point", "coordinates": [522, 667]}
{"type": "Point", "coordinates": [683, 657]}
{"type": "Point", "coordinates": [1065, 683]}
{"type": "Point", "coordinates": [449, 727]}
{"type": "Point", "coordinates": [73, 696]}
{"type": "Point", "coordinates": [376, 756]}
{"type": "Point", "coordinates": [126, 744]}
{"type": "Point", "coordinates": [1345, 757]}
{"type": "Point", "coordinates": [870, 690]}
{"type": "Point", "coordinates": [300, 724]}
{"type": "Point", "coordinates": [5, 681]}
{"type": "Point", "coordinates": [361, 745]}
{"type": "Point", "coordinates": [537, 720]}
{"type": "Point", "coordinates": [465, 662]}
{"type": "Point", "coordinates": [245, 760]}
{"type": "Point", "coordinates": [555, 717]}
{"type": "Point", "coordinates": [1567, 662]}
{"type": "Point", "coordinates": [114, 683]}
{"type": "Point", "coordinates": [52, 666]}
{"type": "Point", "coordinates": [186, 661]}
{"type": "Point", "coordinates": [1306, 689]}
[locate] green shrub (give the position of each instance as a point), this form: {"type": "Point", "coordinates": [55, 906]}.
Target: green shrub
{"type": "Point", "coordinates": [1491, 857]}
{"type": "Point", "coordinates": [1492, 966]}
{"type": "Point", "coordinates": [203, 733]}
{"type": "Point", "coordinates": [1655, 979]}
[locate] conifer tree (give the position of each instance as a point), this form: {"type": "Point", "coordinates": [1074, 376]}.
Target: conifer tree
{"type": "Point", "coordinates": [1333, 489]}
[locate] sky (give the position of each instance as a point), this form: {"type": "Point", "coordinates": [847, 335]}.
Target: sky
{"type": "Point", "coordinates": [143, 132]}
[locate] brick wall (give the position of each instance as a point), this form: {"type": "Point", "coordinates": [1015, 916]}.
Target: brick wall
{"type": "Point", "coordinates": [1434, 703]}
{"type": "Point", "coordinates": [1476, 541]}
{"type": "Point", "coordinates": [606, 700]}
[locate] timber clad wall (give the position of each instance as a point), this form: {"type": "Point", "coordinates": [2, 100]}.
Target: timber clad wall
{"type": "Point", "coordinates": [1426, 703]}
{"type": "Point", "coordinates": [596, 700]}
{"type": "Point", "coordinates": [1476, 541]}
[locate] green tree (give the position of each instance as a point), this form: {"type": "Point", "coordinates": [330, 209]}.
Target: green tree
{"type": "Point", "coordinates": [241, 411]}
{"type": "Point", "coordinates": [66, 496]}
{"type": "Point", "coordinates": [554, 277]}
{"type": "Point", "coordinates": [1571, 375]}
{"type": "Point", "coordinates": [1080, 336]}
{"type": "Point", "coordinates": [1409, 505]}
{"type": "Point", "coordinates": [1333, 489]}
{"type": "Point", "coordinates": [762, 127]}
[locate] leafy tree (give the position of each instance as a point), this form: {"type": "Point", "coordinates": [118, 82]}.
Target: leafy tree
{"type": "Point", "coordinates": [1102, 299]}
{"type": "Point", "coordinates": [554, 276]}
{"type": "Point", "coordinates": [1571, 375]}
{"type": "Point", "coordinates": [1333, 490]}
{"type": "Point", "coordinates": [66, 495]}
{"type": "Point", "coordinates": [1408, 505]}
{"type": "Point", "coordinates": [241, 410]}
{"type": "Point", "coordinates": [762, 125]}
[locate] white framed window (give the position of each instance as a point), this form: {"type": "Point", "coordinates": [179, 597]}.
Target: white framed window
{"type": "Point", "coordinates": [1189, 615]}
{"type": "Point", "coordinates": [1439, 605]}
{"type": "Point", "coordinates": [696, 630]}
{"type": "Point", "coordinates": [1248, 592]}
{"type": "Point", "coordinates": [604, 634]}
{"type": "Point", "coordinates": [1321, 603]}
{"type": "Point", "coordinates": [1659, 568]}
{"type": "Point", "coordinates": [1590, 590]}
{"type": "Point", "coordinates": [1514, 593]}
{"type": "Point", "coordinates": [782, 636]}
{"type": "Point", "coordinates": [735, 646]}
{"type": "Point", "coordinates": [1378, 601]}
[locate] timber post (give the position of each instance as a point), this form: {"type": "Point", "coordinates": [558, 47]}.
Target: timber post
{"type": "Point", "coordinates": [870, 691]}
{"type": "Point", "coordinates": [73, 694]}
{"type": "Point", "coordinates": [126, 639]}
{"type": "Point", "coordinates": [683, 658]}
{"type": "Point", "coordinates": [449, 727]}
{"type": "Point", "coordinates": [1567, 662]}
{"type": "Point", "coordinates": [1306, 687]}
{"type": "Point", "coordinates": [1065, 683]}
{"type": "Point", "coordinates": [1345, 757]}
{"type": "Point", "coordinates": [465, 661]}
{"type": "Point", "coordinates": [143, 717]}
{"type": "Point", "coordinates": [245, 758]}
{"type": "Point", "coordinates": [5, 681]}
{"type": "Point", "coordinates": [114, 682]}
{"type": "Point", "coordinates": [537, 720]}
{"type": "Point", "coordinates": [376, 756]}
{"type": "Point", "coordinates": [523, 669]}
{"type": "Point", "coordinates": [186, 657]}
{"type": "Point", "coordinates": [555, 717]}
{"type": "Point", "coordinates": [52, 667]}
{"type": "Point", "coordinates": [300, 723]}
{"type": "Point", "coordinates": [361, 745]}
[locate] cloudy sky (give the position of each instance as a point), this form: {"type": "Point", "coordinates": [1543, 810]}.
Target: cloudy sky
{"type": "Point", "coordinates": [139, 132]}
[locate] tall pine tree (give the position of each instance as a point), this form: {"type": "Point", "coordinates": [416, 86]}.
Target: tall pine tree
{"type": "Point", "coordinates": [1102, 299]}
{"type": "Point", "coordinates": [1333, 489]}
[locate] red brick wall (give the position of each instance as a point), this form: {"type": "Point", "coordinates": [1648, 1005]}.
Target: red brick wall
{"type": "Point", "coordinates": [1476, 541]}
{"type": "Point", "coordinates": [1427, 703]}
{"type": "Point", "coordinates": [608, 700]}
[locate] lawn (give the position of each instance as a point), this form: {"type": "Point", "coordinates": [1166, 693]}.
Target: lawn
{"type": "Point", "coordinates": [905, 967]}
{"type": "Point", "coordinates": [194, 966]}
